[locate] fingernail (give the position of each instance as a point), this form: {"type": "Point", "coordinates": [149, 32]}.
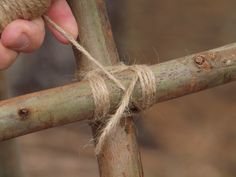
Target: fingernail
{"type": "Point", "coordinates": [21, 43]}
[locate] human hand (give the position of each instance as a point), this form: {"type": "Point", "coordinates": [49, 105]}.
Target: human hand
{"type": "Point", "coordinates": [27, 36]}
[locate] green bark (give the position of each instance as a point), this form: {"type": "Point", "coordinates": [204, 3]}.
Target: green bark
{"type": "Point", "coordinates": [96, 35]}
{"type": "Point", "coordinates": [74, 102]}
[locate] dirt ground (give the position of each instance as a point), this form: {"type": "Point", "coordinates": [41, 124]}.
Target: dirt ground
{"type": "Point", "coordinates": [192, 136]}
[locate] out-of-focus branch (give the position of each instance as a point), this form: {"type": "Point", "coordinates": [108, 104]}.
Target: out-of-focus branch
{"type": "Point", "coordinates": [9, 155]}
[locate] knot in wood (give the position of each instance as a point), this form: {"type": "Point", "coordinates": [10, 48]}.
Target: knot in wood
{"type": "Point", "coordinates": [200, 59]}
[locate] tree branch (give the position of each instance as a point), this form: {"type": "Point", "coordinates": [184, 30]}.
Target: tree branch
{"type": "Point", "coordinates": [74, 102]}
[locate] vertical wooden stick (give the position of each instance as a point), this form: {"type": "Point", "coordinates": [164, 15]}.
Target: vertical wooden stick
{"type": "Point", "coordinates": [120, 156]}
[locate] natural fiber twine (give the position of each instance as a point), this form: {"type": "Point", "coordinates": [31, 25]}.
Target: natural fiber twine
{"type": "Point", "coordinates": [21, 9]}
{"type": "Point", "coordinates": [143, 74]}
{"type": "Point", "coordinates": [146, 79]}
{"type": "Point", "coordinates": [14, 9]}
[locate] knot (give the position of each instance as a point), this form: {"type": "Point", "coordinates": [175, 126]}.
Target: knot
{"type": "Point", "coordinates": [142, 74]}
{"type": "Point", "coordinates": [21, 9]}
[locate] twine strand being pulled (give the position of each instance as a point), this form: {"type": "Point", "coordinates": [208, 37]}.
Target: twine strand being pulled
{"type": "Point", "coordinates": [80, 48]}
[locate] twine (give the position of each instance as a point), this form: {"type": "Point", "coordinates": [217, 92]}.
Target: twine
{"type": "Point", "coordinates": [101, 97]}
{"type": "Point", "coordinates": [21, 9]}
{"type": "Point", "coordinates": [100, 92]}
{"type": "Point", "coordinates": [146, 78]}
{"type": "Point", "coordinates": [14, 9]}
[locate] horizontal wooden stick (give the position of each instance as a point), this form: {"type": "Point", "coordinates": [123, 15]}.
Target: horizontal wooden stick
{"type": "Point", "coordinates": [74, 102]}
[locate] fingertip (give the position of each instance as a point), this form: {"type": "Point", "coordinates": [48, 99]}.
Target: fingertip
{"type": "Point", "coordinates": [23, 35]}
{"type": "Point", "coordinates": [64, 18]}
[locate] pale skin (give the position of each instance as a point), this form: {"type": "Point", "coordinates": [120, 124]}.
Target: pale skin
{"type": "Point", "coordinates": [19, 36]}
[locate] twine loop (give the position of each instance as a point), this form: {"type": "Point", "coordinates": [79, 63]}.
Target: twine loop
{"type": "Point", "coordinates": [100, 92]}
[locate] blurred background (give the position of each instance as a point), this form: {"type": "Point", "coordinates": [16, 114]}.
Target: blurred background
{"type": "Point", "coordinates": [192, 136]}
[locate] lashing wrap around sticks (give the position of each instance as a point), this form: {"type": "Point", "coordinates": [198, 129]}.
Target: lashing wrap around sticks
{"type": "Point", "coordinates": [30, 9]}
{"type": "Point", "coordinates": [146, 78]}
